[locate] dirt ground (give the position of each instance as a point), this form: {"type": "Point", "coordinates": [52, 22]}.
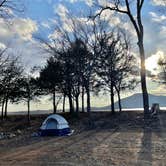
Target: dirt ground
{"type": "Point", "coordinates": [105, 140]}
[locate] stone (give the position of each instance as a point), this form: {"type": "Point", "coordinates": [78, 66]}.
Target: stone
{"type": "Point", "coordinates": [155, 109]}
{"type": "Point", "coordinates": [19, 131]}
{"type": "Point", "coordinates": [11, 135]}
{"type": "Point", "coordinates": [35, 134]}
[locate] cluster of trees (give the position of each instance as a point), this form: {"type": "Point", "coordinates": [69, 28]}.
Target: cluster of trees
{"type": "Point", "coordinates": [72, 71]}
{"type": "Point", "coordinates": [86, 59]}
{"type": "Point", "coordinates": [74, 75]}
{"type": "Point", "coordinates": [15, 86]}
{"type": "Point", "coordinates": [89, 58]}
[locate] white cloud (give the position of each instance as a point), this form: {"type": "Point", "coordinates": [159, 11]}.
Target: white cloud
{"type": "Point", "coordinates": [61, 10]}
{"type": "Point", "coordinates": [18, 38]}
{"type": "Point", "coordinates": [45, 25]}
{"type": "Point", "coordinates": [128, 27]}
{"type": "Point", "coordinates": [87, 2]}
{"type": "Point", "coordinates": [163, 31]}
{"type": "Point", "coordinates": [115, 21]}
{"type": "Point", "coordinates": [159, 2]}
{"type": "Point", "coordinates": [2, 46]}
{"type": "Point", "coordinates": [65, 19]}
{"type": "Point", "coordinates": [106, 14]}
{"type": "Point", "coordinates": [24, 28]}
{"type": "Point", "coordinates": [151, 62]}
{"type": "Point", "coordinates": [157, 18]}
{"type": "Point", "coordinates": [73, 1]}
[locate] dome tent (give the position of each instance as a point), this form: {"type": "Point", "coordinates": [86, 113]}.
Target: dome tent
{"type": "Point", "coordinates": [54, 125]}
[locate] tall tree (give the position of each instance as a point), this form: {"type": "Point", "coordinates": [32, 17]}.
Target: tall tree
{"type": "Point", "coordinates": [131, 11]}
{"type": "Point", "coordinates": [29, 90]}
{"type": "Point", "coordinates": [114, 64]}
{"type": "Point", "coordinates": [9, 80]}
{"type": "Point", "coordinates": [88, 34]}
{"type": "Point", "coordinates": [50, 80]}
{"type": "Point", "coordinates": [81, 58]}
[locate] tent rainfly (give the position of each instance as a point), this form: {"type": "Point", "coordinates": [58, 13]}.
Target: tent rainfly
{"type": "Point", "coordinates": [54, 125]}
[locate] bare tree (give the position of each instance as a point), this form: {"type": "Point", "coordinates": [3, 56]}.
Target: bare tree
{"type": "Point", "coordinates": [50, 80]}
{"type": "Point", "coordinates": [89, 34]}
{"type": "Point", "coordinates": [115, 64]}
{"type": "Point", "coordinates": [9, 83]}
{"type": "Point", "coordinates": [117, 6]}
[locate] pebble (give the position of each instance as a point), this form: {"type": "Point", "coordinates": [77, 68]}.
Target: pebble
{"type": "Point", "coordinates": [35, 134]}
{"type": "Point", "coordinates": [6, 135]}
{"type": "Point", "coordinates": [19, 131]}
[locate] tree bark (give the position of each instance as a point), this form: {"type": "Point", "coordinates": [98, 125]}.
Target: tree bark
{"type": "Point", "coordinates": [143, 77]}
{"type": "Point", "coordinates": [119, 101]}
{"type": "Point", "coordinates": [54, 105]}
{"type": "Point", "coordinates": [70, 103]}
{"type": "Point", "coordinates": [64, 98]}
{"type": "Point", "coordinates": [112, 99]}
{"type": "Point", "coordinates": [140, 35]}
{"type": "Point", "coordinates": [6, 104]}
{"type": "Point", "coordinates": [88, 99]}
{"type": "Point", "coordinates": [83, 110]}
{"type": "Point", "coordinates": [77, 104]}
{"type": "Point", "coordinates": [28, 105]}
{"type": "Point", "coordinates": [2, 109]}
{"type": "Point", "coordinates": [119, 98]}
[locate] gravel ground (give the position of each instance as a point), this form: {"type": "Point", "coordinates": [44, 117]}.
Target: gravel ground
{"type": "Point", "coordinates": [120, 140]}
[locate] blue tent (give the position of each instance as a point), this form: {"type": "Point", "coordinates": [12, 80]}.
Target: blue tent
{"type": "Point", "coordinates": [54, 125]}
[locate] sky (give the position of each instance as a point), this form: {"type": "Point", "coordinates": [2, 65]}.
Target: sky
{"type": "Point", "coordinates": [40, 17]}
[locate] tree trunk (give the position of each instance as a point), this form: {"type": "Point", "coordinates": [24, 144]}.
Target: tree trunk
{"type": "Point", "coordinates": [88, 99]}
{"type": "Point", "coordinates": [143, 77]}
{"type": "Point", "coordinates": [77, 104]}
{"type": "Point", "coordinates": [28, 105]}
{"type": "Point", "coordinates": [3, 102]}
{"type": "Point", "coordinates": [54, 105]}
{"type": "Point", "coordinates": [140, 35]}
{"type": "Point", "coordinates": [64, 98]}
{"type": "Point", "coordinates": [6, 104]}
{"type": "Point", "coordinates": [119, 101]}
{"type": "Point", "coordinates": [83, 110]}
{"type": "Point", "coordinates": [112, 99]}
{"type": "Point", "coordinates": [119, 98]}
{"type": "Point", "coordinates": [70, 103]}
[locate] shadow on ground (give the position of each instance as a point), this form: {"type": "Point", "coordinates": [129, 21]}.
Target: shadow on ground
{"type": "Point", "coordinates": [103, 139]}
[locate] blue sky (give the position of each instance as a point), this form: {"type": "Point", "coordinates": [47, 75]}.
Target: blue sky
{"type": "Point", "coordinates": [45, 12]}
{"type": "Point", "coordinates": [40, 16]}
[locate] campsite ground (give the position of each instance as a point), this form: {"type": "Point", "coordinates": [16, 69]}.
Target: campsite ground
{"type": "Point", "coordinates": [122, 140]}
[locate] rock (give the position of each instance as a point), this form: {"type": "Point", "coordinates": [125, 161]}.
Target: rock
{"type": "Point", "coordinates": [11, 135]}
{"type": "Point", "coordinates": [19, 131]}
{"type": "Point", "coordinates": [35, 134]}
{"type": "Point", "coordinates": [6, 135]}
{"type": "Point", "coordinates": [1, 135]}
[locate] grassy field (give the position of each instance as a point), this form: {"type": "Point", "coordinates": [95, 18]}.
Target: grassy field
{"type": "Point", "coordinates": [104, 139]}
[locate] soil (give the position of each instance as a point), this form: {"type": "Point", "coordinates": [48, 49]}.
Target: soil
{"type": "Point", "coordinates": [125, 139]}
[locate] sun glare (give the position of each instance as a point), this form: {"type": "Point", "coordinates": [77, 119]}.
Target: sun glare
{"type": "Point", "coordinates": [151, 62]}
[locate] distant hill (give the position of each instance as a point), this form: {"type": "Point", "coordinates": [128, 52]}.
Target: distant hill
{"type": "Point", "coordinates": [135, 101]}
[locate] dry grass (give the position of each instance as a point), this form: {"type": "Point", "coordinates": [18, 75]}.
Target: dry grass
{"type": "Point", "coordinates": [104, 139]}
